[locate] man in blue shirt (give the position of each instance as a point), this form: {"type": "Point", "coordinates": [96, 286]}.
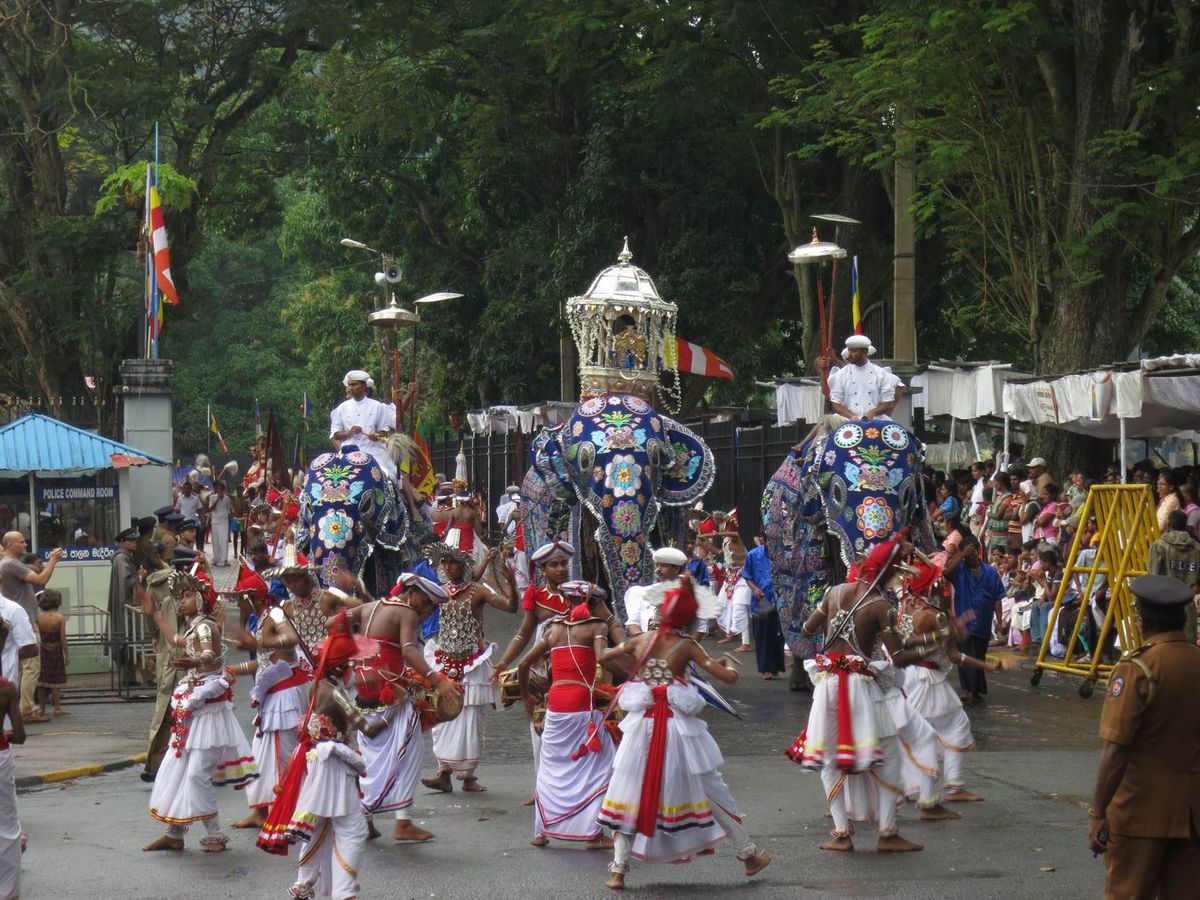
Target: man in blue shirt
{"type": "Point", "coordinates": [768, 633]}
{"type": "Point", "coordinates": [977, 590]}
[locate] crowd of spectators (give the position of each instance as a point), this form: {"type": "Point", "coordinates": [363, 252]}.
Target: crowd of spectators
{"type": "Point", "coordinates": [1023, 524]}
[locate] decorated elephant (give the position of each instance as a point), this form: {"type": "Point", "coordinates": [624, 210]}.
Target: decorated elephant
{"type": "Point", "coordinates": [351, 516]}
{"type": "Point", "coordinates": [835, 496]}
{"type": "Point", "coordinates": [608, 471]}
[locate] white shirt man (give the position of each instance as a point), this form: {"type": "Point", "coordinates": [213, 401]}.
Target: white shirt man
{"type": "Point", "coordinates": [860, 389]}
{"type": "Point", "coordinates": [512, 496]}
{"type": "Point", "coordinates": [20, 635]}
{"type": "Point", "coordinates": [188, 505]}
{"type": "Point", "coordinates": [639, 611]}
{"type": "Point", "coordinates": [364, 422]}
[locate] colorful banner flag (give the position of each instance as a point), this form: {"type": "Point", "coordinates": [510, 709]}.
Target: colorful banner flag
{"type": "Point", "coordinates": [855, 297]}
{"type": "Point", "coordinates": [696, 360]}
{"type": "Point", "coordinates": [215, 430]}
{"type": "Point", "coordinates": [161, 248]}
{"type": "Point", "coordinates": [419, 465]}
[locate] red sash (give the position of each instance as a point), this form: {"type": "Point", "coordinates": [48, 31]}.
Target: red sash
{"type": "Point", "coordinates": [843, 665]}
{"type": "Point", "coordinates": [929, 664]}
{"type": "Point", "coordinates": [228, 695]}
{"type": "Point", "coordinates": [299, 676]}
{"type": "Point", "coordinates": [652, 781]}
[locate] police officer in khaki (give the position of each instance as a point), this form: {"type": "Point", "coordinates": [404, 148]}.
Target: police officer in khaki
{"type": "Point", "coordinates": [1145, 811]}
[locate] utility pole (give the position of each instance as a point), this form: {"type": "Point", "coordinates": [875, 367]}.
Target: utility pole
{"type": "Point", "coordinates": [904, 300]}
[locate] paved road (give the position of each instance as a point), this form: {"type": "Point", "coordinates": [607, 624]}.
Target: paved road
{"type": "Point", "coordinates": [1035, 765]}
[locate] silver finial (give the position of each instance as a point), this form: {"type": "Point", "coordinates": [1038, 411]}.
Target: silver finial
{"type": "Point", "coordinates": [625, 256]}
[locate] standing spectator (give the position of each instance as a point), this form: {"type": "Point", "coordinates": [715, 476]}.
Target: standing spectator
{"type": "Point", "coordinates": [768, 632]}
{"type": "Point", "coordinates": [1038, 473]}
{"type": "Point", "coordinates": [1177, 555]}
{"type": "Point", "coordinates": [1004, 508]}
{"type": "Point", "coordinates": [976, 511]}
{"type": "Point", "coordinates": [977, 590]}
{"type": "Point", "coordinates": [17, 582]}
{"type": "Point", "coordinates": [55, 653]}
{"type": "Point", "coordinates": [238, 507]}
{"type": "Point", "coordinates": [1169, 498]}
{"type": "Point", "coordinates": [1191, 508]}
{"type": "Point", "coordinates": [1045, 525]}
{"type": "Point", "coordinates": [121, 580]}
{"type": "Point", "coordinates": [220, 514]}
{"type": "Point", "coordinates": [12, 840]}
{"type": "Point", "coordinates": [188, 502]}
{"type": "Point", "coordinates": [35, 562]}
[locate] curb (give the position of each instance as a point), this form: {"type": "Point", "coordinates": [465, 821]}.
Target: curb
{"type": "Point", "coordinates": [79, 771]}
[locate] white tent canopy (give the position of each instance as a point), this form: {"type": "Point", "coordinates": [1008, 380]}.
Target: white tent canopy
{"type": "Point", "coordinates": [1160, 398]}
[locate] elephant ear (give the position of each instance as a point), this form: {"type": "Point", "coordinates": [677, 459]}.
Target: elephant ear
{"type": "Point", "coordinates": [687, 468]}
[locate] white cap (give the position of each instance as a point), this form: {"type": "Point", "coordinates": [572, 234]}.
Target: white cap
{"type": "Point", "coordinates": [1036, 461]}
{"type": "Point", "coordinates": [357, 375]}
{"type": "Point", "coordinates": [512, 489]}
{"type": "Point", "coordinates": [547, 552]}
{"type": "Point", "coordinates": [858, 341]}
{"type": "Point", "coordinates": [670, 556]}
{"type": "Point", "coordinates": [431, 589]}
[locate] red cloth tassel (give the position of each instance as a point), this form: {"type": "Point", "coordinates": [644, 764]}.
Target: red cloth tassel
{"type": "Point", "coordinates": [591, 745]}
{"type": "Point", "coordinates": [845, 749]}
{"type": "Point", "coordinates": [652, 781]}
{"type": "Point", "coordinates": [273, 836]}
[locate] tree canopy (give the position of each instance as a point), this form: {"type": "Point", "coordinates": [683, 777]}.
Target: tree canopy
{"type": "Point", "coordinates": [503, 150]}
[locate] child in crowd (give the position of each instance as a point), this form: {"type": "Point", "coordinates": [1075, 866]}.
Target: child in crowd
{"type": "Point", "coordinates": [52, 628]}
{"type": "Point", "coordinates": [1046, 575]}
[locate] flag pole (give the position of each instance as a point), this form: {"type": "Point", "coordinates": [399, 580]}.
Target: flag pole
{"type": "Point", "coordinates": [209, 429]}
{"type": "Point", "coordinates": [155, 299]}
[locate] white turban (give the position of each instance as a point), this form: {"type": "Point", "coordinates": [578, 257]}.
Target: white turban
{"type": "Point", "coordinates": [430, 589]}
{"type": "Point", "coordinates": [357, 375]}
{"type": "Point", "coordinates": [547, 552]}
{"type": "Point", "coordinates": [860, 341]}
{"type": "Point", "coordinates": [670, 556]}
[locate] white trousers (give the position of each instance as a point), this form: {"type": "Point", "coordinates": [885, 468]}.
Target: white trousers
{"type": "Point", "coordinates": [329, 862]}
{"type": "Point", "coordinates": [886, 779]}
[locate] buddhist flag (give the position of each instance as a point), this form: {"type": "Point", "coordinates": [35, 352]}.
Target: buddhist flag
{"type": "Point", "coordinates": [161, 249]}
{"type": "Point", "coordinates": [696, 360]}
{"type": "Point", "coordinates": [215, 430]}
{"type": "Point", "coordinates": [855, 297]}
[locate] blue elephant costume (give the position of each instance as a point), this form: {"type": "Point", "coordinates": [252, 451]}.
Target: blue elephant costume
{"type": "Point", "coordinates": [351, 516]}
{"type": "Point", "coordinates": [834, 498]}
{"type": "Point", "coordinates": [618, 462]}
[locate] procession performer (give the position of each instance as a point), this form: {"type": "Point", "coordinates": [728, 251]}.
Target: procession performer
{"type": "Point", "coordinates": [12, 839]}
{"type": "Point", "coordinates": [394, 751]}
{"type": "Point", "coordinates": [540, 604]}
{"type": "Point", "coordinates": [929, 691]}
{"type": "Point", "coordinates": [460, 524]}
{"type": "Point", "coordinates": [318, 803]}
{"type": "Point", "coordinates": [280, 689]}
{"type": "Point", "coordinates": [208, 748]}
{"type": "Point", "coordinates": [735, 591]}
{"type": "Point", "coordinates": [306, 604]}
{"type": "Point", "coordinates": [165, 586]}
{"type": "Point", "coordinates": [460, 652]}
{"type": "Point", "coordinates": [576, 749]}
{"type": "Point", "coordinates": [666, 800]}
{"type": "Point", "coordinates": [848, 709]}
{"type": "Point", "coordinates": [643, 601]}
{"type": "Point", "coordinates": [860, 389]}
{"type": "Point", "coordinates": [364, 422]}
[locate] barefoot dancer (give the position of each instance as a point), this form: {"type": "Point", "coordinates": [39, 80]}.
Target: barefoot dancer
{"type": "Point", "coordinates": [926, 683]}
{"type": "Point", "coordinates": [461, 653]}
{"type": "Point", "coordinates": [848, 709]}
{"type": "Point", "coordinates": [279, 692]}
{"type": "Point", "coordinates": [393, 752]}
{"type": "Point", "coordinates": [678, 764]}
{"type": "Point", "coordinates": [540, 604]}
{"type": "Point", "coordinates": [207, 745]}
{"type": "Point", "coordinates": [576, 748]}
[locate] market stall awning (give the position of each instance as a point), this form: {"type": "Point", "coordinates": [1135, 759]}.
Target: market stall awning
{"type": "Point", "coordinates": [1160, 398]}
{"type": "Point", "coordinates": [52, 449]}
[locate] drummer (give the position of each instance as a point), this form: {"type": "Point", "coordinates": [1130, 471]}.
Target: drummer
{"type": "Point", "coordinates": [394, 755]}
{"type": "Point", "coordinates": [541, 603]}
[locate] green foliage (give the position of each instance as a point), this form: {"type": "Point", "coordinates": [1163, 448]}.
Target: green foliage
{"type": "Point", "coordinates": [126, 187]}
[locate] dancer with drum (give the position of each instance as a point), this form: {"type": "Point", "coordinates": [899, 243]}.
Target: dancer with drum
{"type": "Point", "coordinates": [393, 753]}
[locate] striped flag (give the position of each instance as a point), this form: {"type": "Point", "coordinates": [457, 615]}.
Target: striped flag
{"type": "Point", "coordinates": [161, 249]}
{"type": "Point", "coordinates": [696, 360]}
{"type": "Point", "coordinates": [215, 429]}
{"type": "Point", "coordinates": [855, 297]}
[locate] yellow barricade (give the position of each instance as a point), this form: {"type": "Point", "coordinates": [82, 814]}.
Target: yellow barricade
{"type": "Point", "coordinates": [1126, 525]}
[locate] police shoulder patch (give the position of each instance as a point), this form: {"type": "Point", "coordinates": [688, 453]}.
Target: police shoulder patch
{"type": "Point", "coordinates": [1118, 685]}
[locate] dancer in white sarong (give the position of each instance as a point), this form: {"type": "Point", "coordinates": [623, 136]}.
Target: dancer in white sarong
{"type": "Point", "coordinates": [207, 748]}
{"type": "Point", "coordinates": [849, 712]}
{"type": "Point", "coordinates": [279, 692]}
{"type": "Point", "coordinates": [460, 653]}
{"type": "Point", "coordinates": [541, 603]}
{"type": "Point", "coordinates": [318, 803]}
{"type": "Point", "coordinates": [394, 753]}
{"type": "Point", "coordinates": [576, 747]}
{"type": "Point", "coordinates": [926, 684]}
{"type": "Point", "coordinates": [679, 764]}
{"type": "Point", "coordinates": [10, 823]}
